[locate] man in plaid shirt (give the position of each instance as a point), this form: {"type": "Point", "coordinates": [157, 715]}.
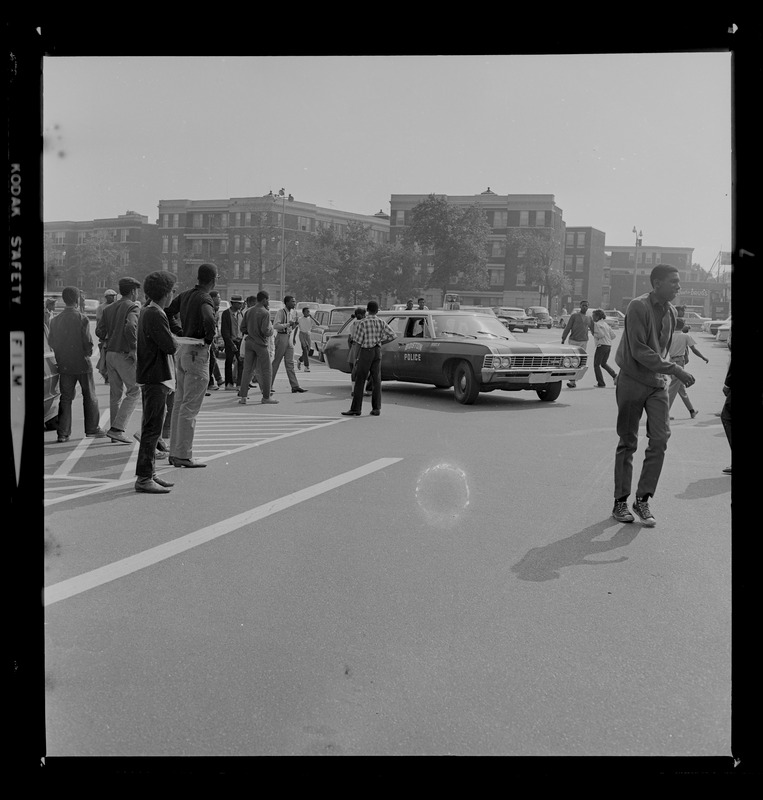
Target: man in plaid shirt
{"type": "Point", "coordinates": [370, 334]}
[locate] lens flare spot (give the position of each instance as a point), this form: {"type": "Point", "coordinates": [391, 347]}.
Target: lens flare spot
{"type": "Point", "coordinates": [442, 494]}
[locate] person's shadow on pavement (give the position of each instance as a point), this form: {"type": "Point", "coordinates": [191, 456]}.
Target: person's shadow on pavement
{"type": "Point", "coordinates": [544, 563]}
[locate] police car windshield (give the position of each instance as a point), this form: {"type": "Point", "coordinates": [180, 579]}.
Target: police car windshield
{"type": "Point", "coordinates": [470, 325]}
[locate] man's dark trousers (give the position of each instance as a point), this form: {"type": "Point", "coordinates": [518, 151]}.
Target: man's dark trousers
{"type": "Point", "coordinates": [67, 382]}
{"type": "Point", "coordinates": [368, 363]}
{"type": "Point", "coordinates": [633, 399]}
{"type": "Point", "coordinates": [154, 408]}
{"type": "Point", "coordinates": [231, 356]}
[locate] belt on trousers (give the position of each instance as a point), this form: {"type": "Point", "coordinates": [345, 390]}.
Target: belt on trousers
{"type": "Point", "coordinates": [372, 347]}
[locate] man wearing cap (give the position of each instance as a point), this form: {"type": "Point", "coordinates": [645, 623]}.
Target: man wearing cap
{"type": "Point", "coordinates": [118, 328]}
{"type": "Point", "coordinates": [196, 311]}
{"type": "Point", "coordinates": [109, 296]}
{"type": "Point", "coordinates": [50, 305]}
{"type": "Point", "coordinates": [230, 329]}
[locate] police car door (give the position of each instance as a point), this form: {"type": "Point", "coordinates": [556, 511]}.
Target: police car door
{"type": "Point", "coordinates": [413, 347]}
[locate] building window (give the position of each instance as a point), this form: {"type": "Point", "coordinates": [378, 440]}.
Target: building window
{"type": "Point", "coordinates": [524, 219]}
{"type": "Point", "coordinates": [236, 244]}
{"type": "Point", "coordinates": [175, 266]}
{"type": "Point", "coordinates": [196, 247]}
{"type": "Point", "coordinates": [581, 238]}
{"type": "Point", "coordinates": [82, 237]}
{"type": "Point", "coordinates": [540, 219]}
{"type": "Point", "coordinates": [247, 243]}
{"type": "Point", "coordinates": [498, 249]}
{"type": "Point", "coordinates": [124, 258]}
{"type": "Point", "coordinates": [236, 269]}
{"type": "Point", "coordinates": [59, 283]}
{"type": "Point", "coordinates": [496, 277]}
{"type": "Point", "coordinates": [165, 220]}
{"type": "Point", "coordinates": [174, 244]}
{"type": "Point", "coordinates": [247, 269]}
{"type": "Point", "coordinates": [80, 281]}
{"type": "Point", "coordinates": [223, 220]}
{"type": "Point", "coordinates": [198, 220]}
{"type": "Point", "coordinates": [304, 223]}
{"type": "Point", "coordinates": [100, 283]}
{"type": "Point", "coordinates": [578, 287]}
{"type": "Point", "coordinates": [247, 219]}
{"type": "Point", "coordinates": [58, 237]}
{"type": "Point", "coordinates": [176, 220]}
{"type": "Point", "coordinates": [521, 276]}
{"type": "Point", "coordinates": [568, 263]}
{"type": "Point", "coordinates": [237, 219]}
{"type": "Point", "coordinates": [165, 244]}
{"type": "Point", "coordinates": [500, 219]}
{"type": "Point", "coordinates": [224, 247]}
{"type": "Point", "coordinates": [124, 234]}
{"type": "Point", "coordinates": [400, 218]}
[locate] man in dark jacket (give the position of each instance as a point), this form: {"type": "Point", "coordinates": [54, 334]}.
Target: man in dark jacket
{"type": "Point", "coordinates": [196, 326]}
{"type": "Point", "coordinates": [118, 327]}
{"type": "Point", "coordinates": [72, 343]}
{"type": "Point", "coordinates": [643, 358]}
{"type": "Point", "coordinates": [156, 377]}
{"type": "Point", "coordinates": [230, 330]}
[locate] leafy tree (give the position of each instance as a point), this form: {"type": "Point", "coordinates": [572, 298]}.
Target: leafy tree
{"type": "Point", "coordinates": [263, 238]}
{"type": "Point", "coordinates": [97, 258]}
{"type": "Point", "coordinates": [392, 271]}
{"type": "Point", "coordinates": [539, 252]}
{"type": "Point", "coordinates": [353, 278]}
{"type": "Point", "coordinates": [314, 271]}
{"type": "Point", "coordinates": [457, 239]}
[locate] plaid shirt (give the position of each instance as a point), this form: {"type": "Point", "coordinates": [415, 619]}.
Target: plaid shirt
{"type": "Point", "coordinates": [370, 331]}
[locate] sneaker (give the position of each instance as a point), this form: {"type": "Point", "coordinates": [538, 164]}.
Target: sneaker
{"type": "Point", "coordinates": [601, 385]}
{"type": "Point", "coordinates": [229, 387]}
{"type": "Point", "coordinates": [242, 401]}
{"type": "Point", "coordinates": [620, 512]}
{"type": "Point", "coordinates": [693, 413]}
{"type": "Point", "coordinates": [307, 369]}
{"type": "Point", "coordinates": [215, 387]}
{"type": "Point", "coordinates": [62, 439]}
{"type": "Point", "coordinates": [641, 507]}
{"type": "Point", "coordinates": [99, 433]}
{"type": "Point", "coordinates": [571, 384]}
{"type": "Point", "coordinates": [267, 400]}
{"type": "Point", "coordinates": [299, 365]}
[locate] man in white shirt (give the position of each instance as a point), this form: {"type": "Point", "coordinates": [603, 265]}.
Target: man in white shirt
{"type": "Point", "coordinates": [285, 325]}
{"type": "Point", "coordinates": [306, 323]}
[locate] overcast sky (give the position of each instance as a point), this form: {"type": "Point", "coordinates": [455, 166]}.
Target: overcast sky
{"type": "Point", "coordinates": [618, 139]}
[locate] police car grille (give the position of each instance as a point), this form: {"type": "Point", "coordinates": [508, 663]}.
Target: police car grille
{"type": "Point", "coordinates": [532, 362]}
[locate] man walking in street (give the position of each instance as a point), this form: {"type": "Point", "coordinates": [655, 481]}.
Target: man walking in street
{"type": "Point", "coordinates": [285, 325]}
{"type": "Point", "coordinates": [156, 377]}
{"type": "Point", "coordinates": [118, 329]}
{"type": "Point", "coordinates": [578, 326]}
{"type": "Point", "coordinates": [230, 329]}
{"type": "Point", "coordinates": [642, 386]}
{"type": "Point", "coordinates": [257, 330]}
{"type": "Point", "coordinates": [370, 334]}
{"type": "Point", "coordinates": [679, 353]}
{"type": "Point", "coordinates": [72, 343]}
{"type": "Point", "coordinates": [306, 323]}
{"type": "Point", "coordinates": [197, 322]}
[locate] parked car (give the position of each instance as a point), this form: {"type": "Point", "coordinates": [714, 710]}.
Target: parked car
{"type": "Point", "coordinates": [329, 322]}
{"type": "Point", "coordinates": [695, 320]}
{"type": "Point", "coordinates": [715, 324]}
{"type": "Point", "coordinates": [615, 318]}
{"type": "Point", "coordinates": [541, 316]}
{"type": "Point", "coordinates": [51, 390]}
{"type": "Point", "coordinates": [469, 350]}
{"type": "Point", "coordinates": [563, 319]}
{"type": "Point", "coordinates": [91, 308]}
{"type": "Point", "coordinates": [60, 305]}
{"type": "Point", "coordinates": [724, 331]}
{"type": "Point", "coordinates": [514, 318]}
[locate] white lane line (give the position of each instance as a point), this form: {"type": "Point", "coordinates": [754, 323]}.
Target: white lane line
{"type": "Point", "coordinates": [129, 468]}
{"type": "Point", "coordinates": [126, 566]}
{"type": "Point", "coordinates": [78, 451]}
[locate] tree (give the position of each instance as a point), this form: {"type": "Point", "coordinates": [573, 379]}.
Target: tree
{"type": "Point", "coordinates": [315, 269]}
{"type": "Point", "coordinates": [539, 252]}
{"type": "Point", "coordinates": [97, 258]}
{"type": "Point", "coordinates": [392, 270]}
{"type": "Point", "coordinates": [455, 237]}
{"type": "Point", "coordinates": [263, 252]}
{"type": "Point", "coordinates": [353, 278]}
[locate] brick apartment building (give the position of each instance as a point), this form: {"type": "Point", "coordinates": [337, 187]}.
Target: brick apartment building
{"type": "Point", "coordinates": [246, 238]}
{"type": "Point", "coordinates": [130, 247]}
{"type": "Point", "coordinates": [586, 267]}
{"type": "Point", "coordinates": [508, 283]}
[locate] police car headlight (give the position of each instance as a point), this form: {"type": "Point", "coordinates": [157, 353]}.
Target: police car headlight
{"type": "Point", "coordinates": [505, 362]}
{"type": "Point", "coordinates": [574, 361]}
{"type": "Point", "coordinates": [566, 361]}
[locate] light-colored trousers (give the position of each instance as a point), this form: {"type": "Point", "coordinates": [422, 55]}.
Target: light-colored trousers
{"type": "Point", "coordinates": [191, 377]}
{"type": "Point", "coordinates": [285, 352]}
{"type": "Point", "coordinates": [121, 368]}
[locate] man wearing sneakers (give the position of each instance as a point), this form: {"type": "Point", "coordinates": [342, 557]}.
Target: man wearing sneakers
{"type": "Point", "coordinates": [577, 328]}
{"type": "Point", "coordinates": [642, 386]}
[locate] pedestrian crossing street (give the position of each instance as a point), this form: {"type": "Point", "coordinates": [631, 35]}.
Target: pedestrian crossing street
{"type": "Point", "coordinates": [95, 465]}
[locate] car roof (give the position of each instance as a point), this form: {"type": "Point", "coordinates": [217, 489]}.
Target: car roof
{"type": "Point", "coordinates": [435, 312]}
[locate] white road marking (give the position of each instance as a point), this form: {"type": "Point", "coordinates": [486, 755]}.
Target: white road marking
{"type": "Point", "coordinates": [305, 423]}
{"type": "Point", "coordinates": [129, 470]}
{"type": "Point", "coordinates": [126, 566]}
{"type": "Point", "coordinates": [78, 451]}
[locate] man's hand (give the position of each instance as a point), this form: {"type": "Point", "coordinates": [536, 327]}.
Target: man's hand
{"type": "Point", "coordinates": [683, 376]}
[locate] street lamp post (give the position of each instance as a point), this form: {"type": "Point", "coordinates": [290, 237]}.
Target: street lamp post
{"type": "Point", "coordinates": [639, 235]}
{"type": "Point", "coordinates": [282, 194]}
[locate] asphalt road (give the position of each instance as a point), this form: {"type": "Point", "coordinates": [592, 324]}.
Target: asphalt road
{"type": "Point", "coordinates": [442, 579]}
